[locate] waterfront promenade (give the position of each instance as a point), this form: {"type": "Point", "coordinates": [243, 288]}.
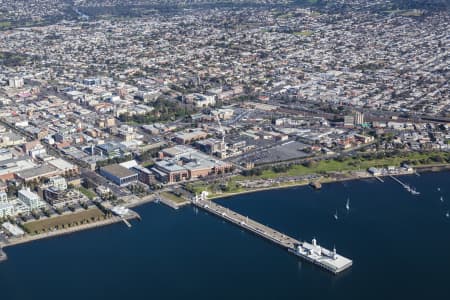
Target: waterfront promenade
{"type": "Point", "coordinates": [30, 238]}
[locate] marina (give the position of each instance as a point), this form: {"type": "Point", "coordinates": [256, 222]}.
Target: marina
{"type": "Point", "coordinates": [311, 252]}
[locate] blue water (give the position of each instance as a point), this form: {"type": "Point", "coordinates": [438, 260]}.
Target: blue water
{"type": "Point", "coordinates": [400, 245]}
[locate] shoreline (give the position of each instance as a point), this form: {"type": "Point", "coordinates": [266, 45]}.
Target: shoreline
{"type": "Point", "coordinates": [150, 198]}
{"type": "Point", "coordinates": [47, 235]}
{"type": "Point", "coordinates": [423, 169]}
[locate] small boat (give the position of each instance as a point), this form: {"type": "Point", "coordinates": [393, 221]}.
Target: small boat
{"type": "Point", "coordinates": [347, 205]}
{"type": "Point", "coordinates": [439, 189]}
{"type": "Point", "coordinates": [442, 199]}
{"type": "Point", "coordinates": [336, 215]}
{"type": "Point", "coordinates": [447, 215]}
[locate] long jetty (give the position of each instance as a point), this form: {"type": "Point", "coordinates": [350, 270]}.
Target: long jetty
{"type": "Point", "coordinates": [313, 253]}
{"type": "Point", "coordinates": [379, 179]}
{"type": "Point", "coordinates": [405, 186]}
{"type": "Point", "coordinates": [399, 181]}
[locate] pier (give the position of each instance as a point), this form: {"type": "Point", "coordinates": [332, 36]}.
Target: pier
{"type": "Point", "coordinates": [329, 260]}
{"type": "Point", "coordinates": [125, 214]}
{"type": "Point", "coordinates": [126, 222]}
{"type": "Point", "coordinates": [405, 186]}
{"type": "Point", "coordinates": [379, 179]}
{"type": "Point", "coordinates": [398, 181]}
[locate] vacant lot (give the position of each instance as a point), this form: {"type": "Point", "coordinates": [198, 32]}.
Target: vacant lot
{"type": "Point", "coordinates": [65, 221]}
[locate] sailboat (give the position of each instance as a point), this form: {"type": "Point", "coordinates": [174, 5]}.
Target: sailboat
{"type": "Point", "coordinates": [336, 215]}
{"type": "Point", "coordinates": [347, 205]}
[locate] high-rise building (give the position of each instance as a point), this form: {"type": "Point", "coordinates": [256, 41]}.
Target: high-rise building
{"type": "Point", "coordinates": [359, 118]}
{"type": "Point", "coordinates": [16, 82]}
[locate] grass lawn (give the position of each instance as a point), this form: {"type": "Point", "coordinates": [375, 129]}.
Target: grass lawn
{"type": "Point", "coordinates": [304, 33]}
{"type": "Point", "coordinates": [198, 187]}
{"type": "Point", "coordinates": [406, 12]}
{"type": "Point", "coordinates": [172, 197]}
{"type": "Point", "coordinates": [352, 164]}
{"type": "Point", "coordinates": [88, 193]}
{"type": "Point", "coordinates": [5, 24]}
{"type": "Point", "coordinates": [148, 163]}
{"type": "Point", "coordinates": [323, 167]}
{"type": "Point", "coordinates": [65, 221]}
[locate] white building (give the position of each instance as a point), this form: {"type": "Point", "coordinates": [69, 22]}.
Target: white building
{"type": "Point", "coordinates": [31, 199]}
{"type": "Point", "coordinates": [16, 82]}
{"type": "Point", "coordinates": [37, 150]}
{"type": "Point", "coordinates": [201, 100]}
{"type": "Point", "coordinates": [13, 229]}
{"type": "Point", "coordinates": [359, 118]}
{"type": "Point", "coordinates": [6, 208]}
{"type": "Point", "coordinates": [3, 197]}
{"type": "Point", "coordinates": [58, 183]}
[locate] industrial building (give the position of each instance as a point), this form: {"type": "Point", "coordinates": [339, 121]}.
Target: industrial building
{"type": "Point", "coordinates": [189, 137]}
{"type": "Point", "coordinates": [9, 167]}
{"type": "Point", "coordinates": [119, 174]}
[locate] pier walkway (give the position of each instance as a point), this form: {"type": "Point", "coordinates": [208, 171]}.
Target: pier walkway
{"type": "Point", "coordinates": [127, 223]}
{"type": "Point", "coordinates": [327, 259]}
{"type": "Point", "coordinates": [405, 186]}
{"type": "Point", "coordinates": [399, 181]}
{"type": "Point", "coordinates": [379, 179]}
